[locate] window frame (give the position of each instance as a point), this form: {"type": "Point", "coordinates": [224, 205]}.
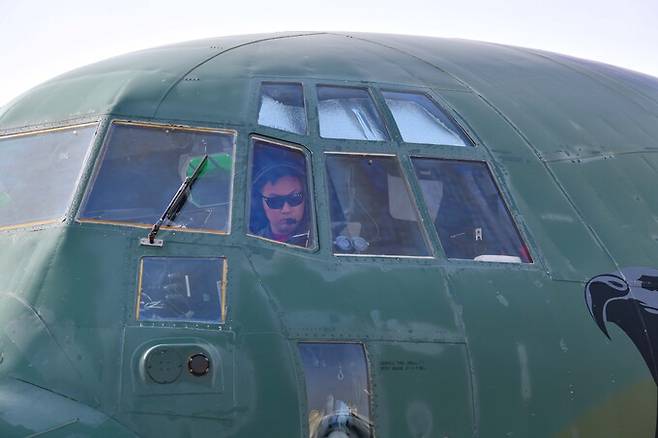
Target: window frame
{"type": "Point", "coordinates": [503, 197]}
{"type": "Point", "coordinates": [285, 81]}
{"type": "Point", "coordinates": [158, 125]}
{"type": "Point", "coordinates": [449, 113]}
{"type": "Point", "coordinates": [412, 198]}
{"type": "Point", "coordinates": [303, 387]}
{"type": "Point", "coordinates": [389, 138]}
{"type": "Point", "coordinates": [223, 295]}
{"type": "Point", "coordinates": [70, 204]}
{"type": "Point", "coordinates": [393, 146]}
{"type": "Point", "coordinates": [308, 159]}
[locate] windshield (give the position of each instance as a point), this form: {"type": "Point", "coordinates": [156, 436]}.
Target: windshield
{"type": "Point", "coordinates": [282, 107]}
{"type": "Point", "coordinates": [143, 167]}
{"type": "Point", "coordinates": [39, 172]}
{"type": "Point", "coordinates": [371, 209]}
{"type": "Point", "coordinates": [422, 121]}
{"type": "Point", "coordinates": [349, 113]}
{"type": "Point", "coordinates": [468, 211]}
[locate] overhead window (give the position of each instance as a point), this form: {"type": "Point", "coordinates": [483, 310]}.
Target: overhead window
{"type": "Point", "coordinates": [371, 208]}
{"type": "Point", "coordinates": [143, 166]}
{"type": "Point", "coordinates": [280, 208]}
{"type": "Point", "coordinates": [348, 113]}
{"type": "Point", "coordinates": [282, 107]}
{"type": "Point", "coordinates": [420, 120]}
{"type": "Point", "coordinates": [39, 173]}
{"type": "Point", "coordinates": [182, 289]}
{"type": "Point", "coordinates": [337, 391]}
{"type": "Point", "coordinates": [468, 212]}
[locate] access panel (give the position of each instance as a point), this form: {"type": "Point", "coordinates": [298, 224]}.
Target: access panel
{"type": "Point", "coordinates": [421, 389]}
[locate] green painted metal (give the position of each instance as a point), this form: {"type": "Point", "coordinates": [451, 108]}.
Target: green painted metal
{"type": "Point", "coordinates": [455, 348]}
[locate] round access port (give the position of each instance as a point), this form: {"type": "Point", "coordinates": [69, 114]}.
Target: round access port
{"type": "Point", "coordinates": [163, 365]}
{"type": "Point", "coordinates": [198, 364]}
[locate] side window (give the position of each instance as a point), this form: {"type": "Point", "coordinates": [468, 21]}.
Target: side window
{"type": "Point", "coordinates": [144, 165]}
{"type": "Point", "coordinates": [182, 289]}
{"type": "Point", "coordinates": [337, 391]}
{"type": "Point", "coordinates": [349, 113]}
{"type": "Point", "coordinates": [282, 107]}
{"type": "Point", "coordinates": [371, 208]}
{"type": "Point", "coordinates": [280, 208]}
{"type": "Point", "coordinates": [420, 120]}
{"type": "Point", "coordinates": [469, 214]}
{"type": "Point", "coordinates": [39, 173]}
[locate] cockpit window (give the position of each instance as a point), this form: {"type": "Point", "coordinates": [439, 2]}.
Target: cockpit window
{"type": "Point", "coordinates": [39, 172]}
{"type": "Point", "coordinates": [182, 289]}
{"type": "Point", "coordinates": [282, 107]}
{"type": "Point", "coordinates": [338, 396]}
{"type": "Point", "coordinates": [469, 214]}
{"type": "Point", "coordinates": [420, 120]}
{"type": "Point", "coordinates": [371, 208]}
{"type": "Point", "coordinates": [143, 167]}
{"type": "Point", "coordinates": [280, 205]}
{"type": "Point", "coordinates": [349, 113]}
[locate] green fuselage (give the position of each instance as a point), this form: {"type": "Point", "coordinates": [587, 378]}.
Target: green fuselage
{"type": "Point", "coordinates": [453, 347]}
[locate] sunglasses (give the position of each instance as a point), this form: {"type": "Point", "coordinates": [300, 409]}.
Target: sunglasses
{"type": "Point", "coordinates": [277, 202]}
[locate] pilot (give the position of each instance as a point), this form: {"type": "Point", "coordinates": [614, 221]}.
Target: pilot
{"type": "Point", "coordinates": [280, 191]}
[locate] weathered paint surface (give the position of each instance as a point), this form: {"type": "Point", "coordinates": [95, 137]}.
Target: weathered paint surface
{"type": "Point", "coordinates": [455, 348]}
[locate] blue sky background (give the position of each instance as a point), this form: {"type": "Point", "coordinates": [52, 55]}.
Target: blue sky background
{"type": "Point", "coordinates": [41, 39]}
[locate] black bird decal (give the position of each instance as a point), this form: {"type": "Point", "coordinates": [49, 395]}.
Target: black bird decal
{"type": "Point", "coordinates": [628, 299]}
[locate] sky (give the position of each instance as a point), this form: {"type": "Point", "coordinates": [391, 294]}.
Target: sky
{"type": "Point", "coordinates": [42, 39]}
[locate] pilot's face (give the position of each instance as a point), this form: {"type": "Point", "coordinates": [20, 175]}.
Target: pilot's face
{"type": "Point", "coordinates": [284, 220]}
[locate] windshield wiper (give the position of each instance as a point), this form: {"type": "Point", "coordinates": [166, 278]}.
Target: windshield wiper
{"type": "Point", "coordinates": [174, 206]}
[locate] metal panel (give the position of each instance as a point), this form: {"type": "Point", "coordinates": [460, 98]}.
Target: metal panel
{"type": "Point", "coordinates": [558, 235]}
{"type": "Point", "coordinates": [217, 90]}
{"type": "Point", "coordinates": [421, 390]}
{"type": "Point", "coordinates": [539, 367]}
{"type": "Point", "coordinates": [556, 107]}
{"type": "Point", "coordinates": [370, 298]}
{"type": "Point", "coordinates": [617, 196]}
{"type": "Point", "coordinates": [28, 410]}
{"type": "Point", "coordinates": [130, 85]}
